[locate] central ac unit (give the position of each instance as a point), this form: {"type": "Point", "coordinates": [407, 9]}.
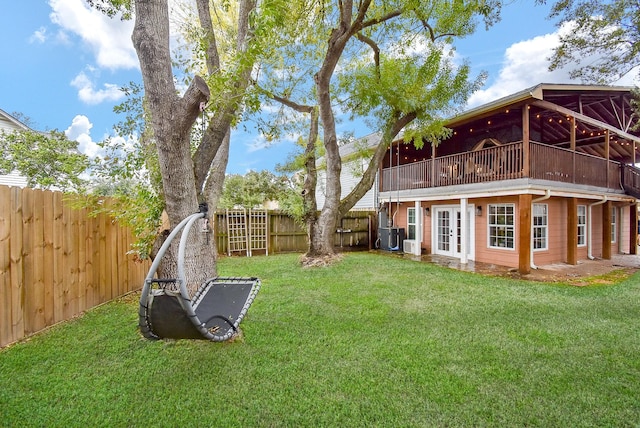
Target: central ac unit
{"type": "Point", "coordinates": [409, 246]}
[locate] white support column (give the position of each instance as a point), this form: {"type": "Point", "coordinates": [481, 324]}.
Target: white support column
{"type": "Point", "coordinates": [464, 239]}
{"type": "Point", "coordinates": [419, 227]}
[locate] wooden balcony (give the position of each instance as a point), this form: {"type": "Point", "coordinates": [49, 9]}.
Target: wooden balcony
{"type": "Point", "coordinates": [507, 162]}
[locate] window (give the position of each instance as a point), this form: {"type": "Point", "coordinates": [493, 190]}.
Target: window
{"type": "Point", "coordinates": [614, 223]}
{"type": "Point", "coordinates": [411, 223]}
{"type": "Point", "coordinates": [502, 227]}
{"type": "Point", "coordinates": [540, 229]}
{"type": "Point", "coordinates": [582, 225]}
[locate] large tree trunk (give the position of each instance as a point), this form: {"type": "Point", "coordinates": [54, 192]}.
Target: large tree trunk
{"type": "Point", "coordinates": [322, 233]}
{"type": "Point", "coordinates": [172, 118]}
{"type": "Point", "coordinates": [187, 180]}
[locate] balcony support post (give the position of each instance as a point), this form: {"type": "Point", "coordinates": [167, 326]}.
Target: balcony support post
{"type": "Point", "coordinates": [464, 238]}
{"type": "Point", "coordinates": [572, 231]}
{"type": "Point", "coordinates": [524, 234]}
{"type": "Point", "coordinates": [572, 122]}
{"type": "Point", "coordinates": [525, 141]}
{"type": "Point", "coordinates": [607, 141]}
{"type": "Point", "coordinates": [433, 165]}
{"type": "Point", "coordinates": [606, 230]}
{"type": "Point", "coordinates": [633, 238]}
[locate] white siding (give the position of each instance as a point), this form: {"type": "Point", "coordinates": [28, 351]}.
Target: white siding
{"type": "Point", "coordinates": [348, 180]}
{"type": "Point", "coordinates": [13, 179]}
{"type": "Point", "coordinates": [8, 124]}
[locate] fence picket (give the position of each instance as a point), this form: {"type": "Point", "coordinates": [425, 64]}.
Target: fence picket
{"type": "Point", "coordinates": [48, 257]}
{"type": "Point", "coordinates": [17, 278]}
{"type": "Point", "coordinates": [38, 306]}
{"type": "Point", "coordinates": [6, 332]}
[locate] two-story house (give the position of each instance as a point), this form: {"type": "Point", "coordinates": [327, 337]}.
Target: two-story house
{"type": "Point", "coordinates": [543, 176]}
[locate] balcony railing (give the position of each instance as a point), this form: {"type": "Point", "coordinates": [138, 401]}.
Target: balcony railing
{"type": "Point", "coordinates": [506, 163]}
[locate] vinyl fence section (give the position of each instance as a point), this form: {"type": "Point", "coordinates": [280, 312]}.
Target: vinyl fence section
{"type": "Point", "coordinates": [284, 235]}
{"type": "Point", "coordinates": [56, 261]}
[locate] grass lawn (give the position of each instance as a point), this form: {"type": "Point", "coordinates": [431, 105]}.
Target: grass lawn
{"type": "Point", "coordinates": [374, 340]}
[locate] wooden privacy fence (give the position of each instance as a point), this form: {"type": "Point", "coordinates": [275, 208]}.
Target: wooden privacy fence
{"type": "Point", "coordinates": [284, 235]}
{"type": "Point", "coordinates": [56, 262]}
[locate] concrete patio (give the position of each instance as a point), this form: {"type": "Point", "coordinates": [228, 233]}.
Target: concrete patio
{"type": "Point", "coordinates": [620, 265]}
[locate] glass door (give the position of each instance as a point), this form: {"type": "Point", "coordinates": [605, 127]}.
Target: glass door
{"type": "Point", "coordinates": [448, 231]}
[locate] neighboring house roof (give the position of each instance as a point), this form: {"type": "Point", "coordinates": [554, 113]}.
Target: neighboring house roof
{"type": "Point", "coordinates": [9, 123]}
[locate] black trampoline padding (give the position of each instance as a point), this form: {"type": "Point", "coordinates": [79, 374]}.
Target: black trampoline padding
{"type": "Point", "coordinates": [167, 318]}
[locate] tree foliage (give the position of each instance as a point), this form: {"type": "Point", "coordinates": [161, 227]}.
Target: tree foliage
{"type": "Point", "coordinates": [390, 63]}
{"type": "Point", "coordinates": [48, 160]}
{"type": "Point", "coordinates": [253, 189]}
{"type": "Point", "coordinates": [601, 37]}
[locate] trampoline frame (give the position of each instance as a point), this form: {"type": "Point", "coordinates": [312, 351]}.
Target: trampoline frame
{"type": "Point", "coordinates": [181, 294]}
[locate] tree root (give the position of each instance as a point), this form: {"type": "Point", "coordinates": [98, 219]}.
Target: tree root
{"type": "Point", "coordinates": [320, 260]}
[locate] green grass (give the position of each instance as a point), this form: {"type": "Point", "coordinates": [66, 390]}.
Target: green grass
{"type": "Point", "coordinates": [374, 340]}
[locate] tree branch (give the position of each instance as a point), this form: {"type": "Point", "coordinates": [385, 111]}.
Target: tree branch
{"type": "Point", "coordinates": [204, 14]}
{"type": "Point", "coordinates": [374, 47]}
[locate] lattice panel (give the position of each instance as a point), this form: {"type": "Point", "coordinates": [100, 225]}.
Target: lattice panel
{"type": "Point", "coordinates": [237, 238]}
{"type": "Point", "coordinates": [258, 231]}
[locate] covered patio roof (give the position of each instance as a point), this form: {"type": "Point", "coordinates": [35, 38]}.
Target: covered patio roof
{"type": "Point", "coordinates": [596, 110]}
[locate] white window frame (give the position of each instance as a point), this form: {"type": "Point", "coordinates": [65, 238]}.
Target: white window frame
{"type": "Point", "coordinates": [540, 231]}
{"type": "Point", "coordinates": [582, 225]}
{"type": "Point", "coordinates": [412, 226]}
{"type": "Point", "coordinates": [499, 219]}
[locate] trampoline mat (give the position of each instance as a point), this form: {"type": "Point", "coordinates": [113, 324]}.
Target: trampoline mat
{"type": "Point", "coordinates": [221, 301]}
{"type": "Point", "coordinates": [219, 304]}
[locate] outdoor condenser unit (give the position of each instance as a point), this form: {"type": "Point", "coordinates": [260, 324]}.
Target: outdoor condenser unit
{"type": "Point", "coordinates": [390, 238]}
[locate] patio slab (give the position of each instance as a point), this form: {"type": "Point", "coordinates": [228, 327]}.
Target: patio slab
{"type": "Point", "coordinates": [617, 268]}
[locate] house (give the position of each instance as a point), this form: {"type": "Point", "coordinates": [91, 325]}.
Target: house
{"type": "Point", "coordinates": [9, 123]}
{"type": "Point", "coordinates": [355, 158]}
{"type": "Point", "coordinates": [543, 176]}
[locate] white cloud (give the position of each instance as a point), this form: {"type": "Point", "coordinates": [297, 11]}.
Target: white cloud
{"type": "Point", "coordinates": [109, 39]}
{"type": "Point", "coordinates": [39, 36]}
{"type": "Point", "coordinates": [258, 143]}
{"type": "Point", "coordinates": [526, 64]}
{"type": "Point", "coordinates": [87, 92]}
{"type": "Point", "coordinates": [79, 131]}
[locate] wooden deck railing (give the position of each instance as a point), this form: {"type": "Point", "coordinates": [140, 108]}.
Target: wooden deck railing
{"type": "Point", "coordinates": [631, 180]}
{"type": "Point", "coordinates": [506, 163]}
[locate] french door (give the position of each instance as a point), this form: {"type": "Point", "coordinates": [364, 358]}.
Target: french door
{"type": "Point", "coordinates": [447, 231]}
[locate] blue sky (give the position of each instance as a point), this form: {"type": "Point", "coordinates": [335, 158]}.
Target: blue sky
{"type": "Point", "coordinates": [63, 64]}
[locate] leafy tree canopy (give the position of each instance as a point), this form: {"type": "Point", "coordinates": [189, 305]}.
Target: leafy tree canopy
{"type": "Point", "coordinates": [47, 160]}
{"type": "Point", "coordinates": [601, 37]}
{"type": "Point", "coordinates": [253, 189]}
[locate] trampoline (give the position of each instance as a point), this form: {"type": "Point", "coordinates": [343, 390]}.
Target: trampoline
{"type": "Point", "coordinates": [215, 311]}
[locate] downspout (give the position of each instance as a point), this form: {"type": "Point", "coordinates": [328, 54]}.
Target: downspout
{"type": "Point", "coordinates": [589, 228]}
{"type": "Point", "coordinates": [547, 195]}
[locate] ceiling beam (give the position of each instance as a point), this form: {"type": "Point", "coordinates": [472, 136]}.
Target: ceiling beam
{"type": "Point", "coordinates": [582, 118]}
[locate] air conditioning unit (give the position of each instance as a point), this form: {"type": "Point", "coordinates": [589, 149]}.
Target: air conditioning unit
{"type": "Point", "coordinates": [409, 246]}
